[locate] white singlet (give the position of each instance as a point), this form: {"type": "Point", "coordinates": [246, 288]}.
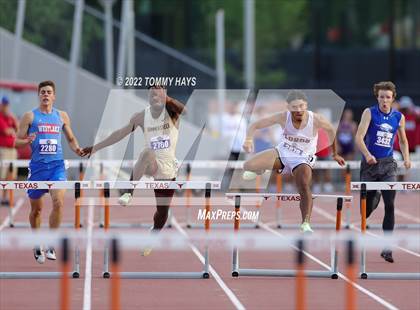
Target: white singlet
{"type": "Point", "coordinates": [161, 136]}
{"type": "Point", "coordinates": [297, 146]}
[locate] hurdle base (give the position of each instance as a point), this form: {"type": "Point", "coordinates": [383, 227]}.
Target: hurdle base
{"type": "Point", "coordinates": [27, 225]}
{"type": "Point", "coordinates": [297, 226]}
{"type": "Point", "coordinates": [34, 275]}
{"type": "Point", "coordinates": [396, 226]}
{"type": "Point", "coordinates": [131, 225]}
{"type": "Point", "coordinates": [163, 275]}
{"type": "Point", "coordinates": [390, 276]}
{"type": "Point", "coordinates": [285, 273]}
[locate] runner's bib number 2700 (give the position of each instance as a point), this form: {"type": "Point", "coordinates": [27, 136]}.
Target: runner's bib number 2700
{"type": "Point", "coordinates": [160, 142]}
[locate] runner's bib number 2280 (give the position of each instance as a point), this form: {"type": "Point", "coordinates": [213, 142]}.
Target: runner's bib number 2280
{"type": "Point", "coordinates": [47, 146]}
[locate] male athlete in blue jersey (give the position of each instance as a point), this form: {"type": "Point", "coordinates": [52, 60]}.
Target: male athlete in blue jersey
{"type": "Point", "coordinates": [375, 139]}
{"type": "Point", "coordinates": [42, 128]}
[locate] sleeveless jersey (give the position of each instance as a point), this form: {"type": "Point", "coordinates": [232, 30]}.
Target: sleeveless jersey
{"type": "Point", "coordinates": [300, 142]}
{"type": "Point", "coordinates": [46, 147]}
{"type": "Point", "coordinates": [382, 130]}
{"type": "Point", "coordinates": [161, 136]}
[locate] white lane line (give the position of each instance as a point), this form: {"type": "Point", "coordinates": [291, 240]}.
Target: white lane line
{"type": "Point", "coordinates": [407, 216]}
{"type": "Point", "coordinates": [340, 275]}
{"type": "Point", "coordinates": [19, 204]}
{"type": "Point", "coordinates": [222, 284]}
{"type": "Point", "coordinates": [332, 218]}
{"type": "Point", "coordinates": [87, 296]}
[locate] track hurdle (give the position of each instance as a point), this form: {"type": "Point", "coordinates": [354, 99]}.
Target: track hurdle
{"type": "Point", "coordinates": [401, 186]}
{"type": "Point", "coordinates": [208, 186]}
{"type": "Point", "coordinates": [19, 185]}
{"type": "Point", "coordinates": [64, 274]}
{"type": "Point", "coordinates": [237, 271]}
{"type": "Point", "coordinates": [364, 187]}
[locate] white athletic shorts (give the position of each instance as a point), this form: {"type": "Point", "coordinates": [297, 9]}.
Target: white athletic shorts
{"type": "Point", "coordinates": [291, 160]}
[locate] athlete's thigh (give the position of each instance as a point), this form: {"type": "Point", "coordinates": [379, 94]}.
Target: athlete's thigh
{"type": "Point", "coordinates": [268, 159]}
{"type": "Point", "coordinates": [57, 194]}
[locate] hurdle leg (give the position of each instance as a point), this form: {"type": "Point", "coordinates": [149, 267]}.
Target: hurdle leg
{"type": "Point", "coordinates": [235, 258]}
{"type": "Point", "coordinates": [206, 273]}
{"type": "Point", "coordinates": [235, 263]}
{"type": "Point", "coordinates": [170, 218]}
{"type": "Point", "coordinates": [65, 283]}
{"type": "Point", "coordinates": [106, 274]}
{"type": "Point", "coordinates": [76, 264]}
{"type": "Point", "coordinates": [363, 194]}
{"type": "Point", "coordinates": [334, 261]}
{"type": "Point", "coordinates": [279, 187]}
{"type": "Point", "coordinates": [11, 219]}
{"type": "Point", "coordinates": [115, 281]}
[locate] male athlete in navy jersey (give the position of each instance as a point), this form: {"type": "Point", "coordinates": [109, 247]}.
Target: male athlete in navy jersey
{"type": "Point", "coordinates": [42, 128]}
{"type": "Point", "coordinates": [375, 139]}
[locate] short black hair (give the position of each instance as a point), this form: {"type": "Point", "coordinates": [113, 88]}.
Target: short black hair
{"type": "Point", "coordinates": [46, 83]}
{"type": "Point", "coordinates": [296, 94]}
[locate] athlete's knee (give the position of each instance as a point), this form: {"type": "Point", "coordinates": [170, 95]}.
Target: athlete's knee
{"type": "Point", "coordinates": [147, 155]}
{"type": "Point", "coordinates": [57, 202]}
{"type": "Point", "coordinates": [303, 184]}
{"type": "Point", "coordinates": [250, 165]}
{"type": "Point", "coordinates": [36, 211]}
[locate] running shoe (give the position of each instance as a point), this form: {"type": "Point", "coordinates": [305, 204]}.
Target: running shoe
{"type": "Point", "coordinates": [306, 228]}
{"type": "Point", "coordinates": [39, 254]}
{"type": "Point", "coordinates": [50, 253]}
{"type": "Point", "coordinates": [249, 175]}
{"type": "Point", "coordinates": [125, 199]}
{"type": "Point", "coordinates": [387, 256]}
{"type": "Point", "coordinates": [146, 251]}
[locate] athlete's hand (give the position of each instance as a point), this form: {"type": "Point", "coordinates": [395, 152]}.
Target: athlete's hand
{"type": "Point", "coordinates": [30, 138]}
{"type": "Point", "coordinates": [340, 160]}
{"type": "Point", "coordinates": [248, 145]}
{"type": "Point", "coordinates": [79, 151]}
{"type": "Point", "coordinates": [407, 164]}
{"type": "Point", "coordinates": [371, 160]}
{"type": "Point", "coordinates": [87, 151]}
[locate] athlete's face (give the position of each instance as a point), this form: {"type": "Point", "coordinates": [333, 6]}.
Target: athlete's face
{"type": "Point", "coordinates": [157, 97]}
{"type": "Point", "coordinates": [298, 109]}
{"type": "Point", "coordinates": [46, 95]}
{"type": "Point", "coordinates": [385, 100]}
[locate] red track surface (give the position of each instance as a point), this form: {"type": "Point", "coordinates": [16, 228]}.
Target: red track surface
{"type": "Point", "coordinates": [251, 292]}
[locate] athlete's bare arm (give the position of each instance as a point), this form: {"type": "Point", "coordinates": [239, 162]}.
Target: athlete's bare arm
{"type": "Point", "coordinates": [402, 138]}
{"type": "Point", "coordinates": [278, 118]}
{"type": "Point", "coordinates": [68, 132]}
{"type": "Point", "coordinates": [22, 138]}
{"type": "Point", "coordinates": [136, 121]}
{"type": "Point", "coordinates": [321, 122]}
{"type": "Point", "coordinates": [360, 135]}
{"type": "Point", "coordinates": [175, 105]}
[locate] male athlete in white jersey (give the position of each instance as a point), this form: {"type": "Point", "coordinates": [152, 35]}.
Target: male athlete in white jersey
{"type": "Point", "coordinates": [159, 122]}
{"type": "Point", "coordinates": [295, 153]}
